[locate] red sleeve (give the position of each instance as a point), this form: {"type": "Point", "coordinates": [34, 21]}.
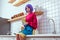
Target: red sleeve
{"type": "Point", "coordinates": [34, 22]}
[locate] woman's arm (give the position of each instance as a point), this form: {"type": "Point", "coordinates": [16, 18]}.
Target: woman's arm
{"type": "Point", "coordinates": [34, 22]}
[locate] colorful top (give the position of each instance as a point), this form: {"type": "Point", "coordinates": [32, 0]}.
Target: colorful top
{"type": "Point", "coordinates": [32, 20]}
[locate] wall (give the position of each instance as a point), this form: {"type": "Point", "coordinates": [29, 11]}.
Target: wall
{"type": "Point", "coordinates": [0, 8]}
{"type": "Point", "coordinates": [50, 6]}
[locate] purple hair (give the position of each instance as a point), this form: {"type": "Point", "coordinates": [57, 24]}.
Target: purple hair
{"type": "Point", "coordinates": [29, 6]}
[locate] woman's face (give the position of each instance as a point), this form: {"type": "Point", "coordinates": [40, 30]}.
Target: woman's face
{"type": "Point", "coordinates": [27, 9]}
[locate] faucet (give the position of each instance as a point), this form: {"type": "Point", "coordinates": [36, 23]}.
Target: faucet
{"type": "Point", "coordinates": [54, 32]}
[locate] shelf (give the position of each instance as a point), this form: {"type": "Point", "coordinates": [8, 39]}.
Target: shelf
{"type": "Point", "coordinates": [19, 2]}
{"type": "Point", "coordinates": [11, 1]}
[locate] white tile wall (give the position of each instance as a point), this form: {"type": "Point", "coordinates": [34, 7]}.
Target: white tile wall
{"type": "Point", "coordinates": [51, 7]}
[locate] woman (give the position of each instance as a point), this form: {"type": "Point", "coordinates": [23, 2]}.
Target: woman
{"type": "Point", "coordinates": [31, 23]}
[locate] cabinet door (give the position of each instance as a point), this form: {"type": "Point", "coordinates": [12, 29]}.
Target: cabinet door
{"type": "Point", "coordinates": [4, 26]}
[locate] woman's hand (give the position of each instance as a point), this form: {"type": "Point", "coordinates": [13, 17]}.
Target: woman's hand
{"type": "Point", "coordinates": [26, 23]}
{"type": "Point", "coordinates": [22, 28]}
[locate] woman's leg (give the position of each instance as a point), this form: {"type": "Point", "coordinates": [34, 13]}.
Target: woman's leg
{"type": "Point", "coordinates": [22, 38]}
{"type": "Point", "coordinates": [17, 37]}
